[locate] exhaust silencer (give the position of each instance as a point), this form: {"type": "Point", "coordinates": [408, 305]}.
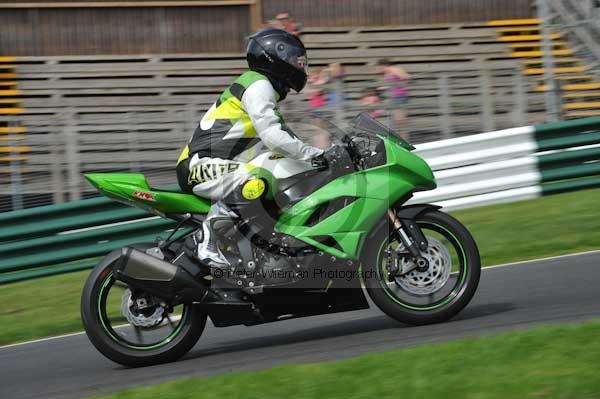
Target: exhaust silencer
{"type": "Point", "coordinates": [157, 277]}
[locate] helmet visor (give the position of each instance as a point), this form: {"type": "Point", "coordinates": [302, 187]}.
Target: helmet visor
{"type": "Point", "coordinates": [293, 55]}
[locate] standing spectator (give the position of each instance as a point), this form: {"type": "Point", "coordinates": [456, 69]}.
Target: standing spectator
{"type": "Point", "coordinates": [333, 78]}
{"type": "Point", "coordinates": [317, 100]}
{"type": "Point", "coordinates": [396, 79]}
{"type": "Point", "coordinates": [285, 22]}
{"type": "Point", "coordinates": [315, 91]}
{"type": "Point", "coordinates": [372, 102]}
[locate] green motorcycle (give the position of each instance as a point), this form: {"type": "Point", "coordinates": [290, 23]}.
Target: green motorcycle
{"type": "Point", "coordinates": [310, 245]}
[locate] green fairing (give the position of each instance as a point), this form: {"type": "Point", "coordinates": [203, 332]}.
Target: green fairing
{"type": "Point", "coordinates": [130, 187]}
{"type": "Point", "coordinates": [375, 190]}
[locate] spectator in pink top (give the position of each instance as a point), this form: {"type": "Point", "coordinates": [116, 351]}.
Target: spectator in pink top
{"type": "Point", "coordinates": [396, 78]}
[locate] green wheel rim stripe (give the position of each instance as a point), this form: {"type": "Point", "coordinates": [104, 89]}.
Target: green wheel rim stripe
{"type": "Point", "coordinates": [109, 330]}
{"type": "Point", "coordinates": [449, 297]}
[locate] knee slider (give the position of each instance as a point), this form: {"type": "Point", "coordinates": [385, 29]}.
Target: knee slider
{"type": "Point", "coordinates": [253, 189]}
{"type": "Point", "coordinates": [249, 192]}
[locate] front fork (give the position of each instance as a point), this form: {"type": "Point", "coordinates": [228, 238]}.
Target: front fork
{"type": "Point", "coordinates": [410, 235]}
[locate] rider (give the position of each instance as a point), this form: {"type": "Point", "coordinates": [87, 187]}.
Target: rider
{"type": "Point", "coordinates": [244, 122]}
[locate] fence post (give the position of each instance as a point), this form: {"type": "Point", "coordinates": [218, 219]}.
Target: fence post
{"type": "Point", "coordinates": [338, 87]}
{"type": "Point", "coordinates": [256, 19]}
{"type": "Point", "coordinates": [552, 109]}
{"type": "Point", "coordinates": [15, 173]}
{"type": "Point", "coordinates": [58, 183]}
{"type": "Point", "coordinates": [132, 142]}
{"type": "Point", "coordinates": [487, 104]}
{"type": "Point", "coordinates": [520, 100]}
{"type": "Point", "coordinates": [163, 29]}
{"type": "Point", "coordinates": [72, 156]}
{"type": "Point", "coordinates": [595, 13]}
{"type": "Point", "coordinates": [444, 100]}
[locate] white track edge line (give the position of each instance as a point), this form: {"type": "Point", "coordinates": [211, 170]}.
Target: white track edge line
{"type": "Point", "coordinates": [594, 251]}
{"type": "Point", "coordinates": [35, 341]}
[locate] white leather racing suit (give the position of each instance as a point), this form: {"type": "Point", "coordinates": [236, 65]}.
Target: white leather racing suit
{"type": "Point", "coordinates": [241, 125]}
{"type": "Point", "coordinates": [244, 122]}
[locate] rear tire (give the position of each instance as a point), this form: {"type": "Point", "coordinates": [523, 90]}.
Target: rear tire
{"type": "Point", "coordinates": [182, 339]}
{"type": "Point", "coordinates": [402, 309]}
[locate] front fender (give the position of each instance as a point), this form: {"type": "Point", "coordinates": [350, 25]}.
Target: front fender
{"type": "Point", "coordinates": [407, 214]}
{"type": "Point", "coordinates": [411, 212]}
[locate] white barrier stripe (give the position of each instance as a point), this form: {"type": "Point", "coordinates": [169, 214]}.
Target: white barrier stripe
{"type": "Point", "coordinates": [518, 194]}
{"type": "Point", "coordinates": [486, 170]}
{"type": "Point", "coordinates": [583, 147]}
{"type": "Point", "coordinates": [512, 134]}
{"type": "Point", "coordinates": [479, 187]}
{"type": "Point", "coordinates": [485, 153]}
{"type": "Point", "coordinates": [108, 225]}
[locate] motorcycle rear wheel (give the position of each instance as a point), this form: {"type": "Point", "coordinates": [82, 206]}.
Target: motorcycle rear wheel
{"type": "Point", "coordinates": [431, 296]}
{"type": "Point", "coordinates": [120, 341]}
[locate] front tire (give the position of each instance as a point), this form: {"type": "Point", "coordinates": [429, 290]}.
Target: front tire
{"type": "Point", "coordinates": [111, 338]}
{"type": "Point", "coordinates": [436, 294]}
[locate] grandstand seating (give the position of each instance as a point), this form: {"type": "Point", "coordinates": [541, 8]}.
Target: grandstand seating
{"type": "Point", "coordinates": [135, 112]}
{"type": "Point", "coordinates": [580, 90]}
{"type": "Point", "coordinates": [9, 106]}
{"type": "Point", "coordinates": [12, 150]}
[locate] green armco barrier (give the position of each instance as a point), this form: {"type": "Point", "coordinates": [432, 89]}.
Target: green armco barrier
{"type": "Point", "coordinates": [570, 172]}
{"type": "Point", "coordinates": [78, 214]}
{"type": "Point", "coordinates": [568, 157]}
{"type": "Point", "coordinates": [570, 126]}
{"type": "Point", "coordinates": [567, 140]}
{"type": "Point", "coordinates": [33, 241]}
{"type": "Point", "coordinates": [78, 238]}
{"type": "Point", "coordinates": [48, 271]}
{"type": "Point", "coordinates": [63, 248]}
{"type": "Point", "coordinates": [565, 186]}
{"type": "Point", "coordinates": [55, 209]}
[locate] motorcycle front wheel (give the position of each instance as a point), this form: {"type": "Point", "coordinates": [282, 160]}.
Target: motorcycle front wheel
{"type": "Point", "coordinates": [423, 296]}
{"type": "Point", "coordinates": [132, 328]}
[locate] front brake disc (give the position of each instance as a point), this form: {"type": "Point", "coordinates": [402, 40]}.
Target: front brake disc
{"type": "Point", "coordinates": [432, 279]}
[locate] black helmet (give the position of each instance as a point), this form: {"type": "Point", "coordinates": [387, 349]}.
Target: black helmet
{"type": "Point", "coordinates": [280, 55]}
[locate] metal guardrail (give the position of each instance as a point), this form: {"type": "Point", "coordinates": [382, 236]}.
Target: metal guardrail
{"type": "Point", "coordinates": [514, 164]}
{"type": "Point", "coordinates": [502, 166]}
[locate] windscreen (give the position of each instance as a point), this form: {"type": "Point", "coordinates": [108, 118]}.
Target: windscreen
{"type": "Point", "coordinates": [368, 124]}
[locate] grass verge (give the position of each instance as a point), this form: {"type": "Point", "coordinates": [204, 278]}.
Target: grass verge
{"type": "Point", "coordinates": [546, 362]}
{"type": "Point", "coordinates": [542, 227]}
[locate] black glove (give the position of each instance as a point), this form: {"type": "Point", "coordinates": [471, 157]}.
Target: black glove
{"type": "Point", "coordinates": [319, 162]}
{"type": "Point", "coordinates": [329, 159]}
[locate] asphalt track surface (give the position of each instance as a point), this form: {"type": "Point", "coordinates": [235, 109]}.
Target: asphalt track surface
{"type": "Point", "coordinates": [511, 297]}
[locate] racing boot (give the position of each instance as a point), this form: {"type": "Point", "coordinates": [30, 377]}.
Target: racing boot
{"type": "Point", "coordinates": [208, 249]}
